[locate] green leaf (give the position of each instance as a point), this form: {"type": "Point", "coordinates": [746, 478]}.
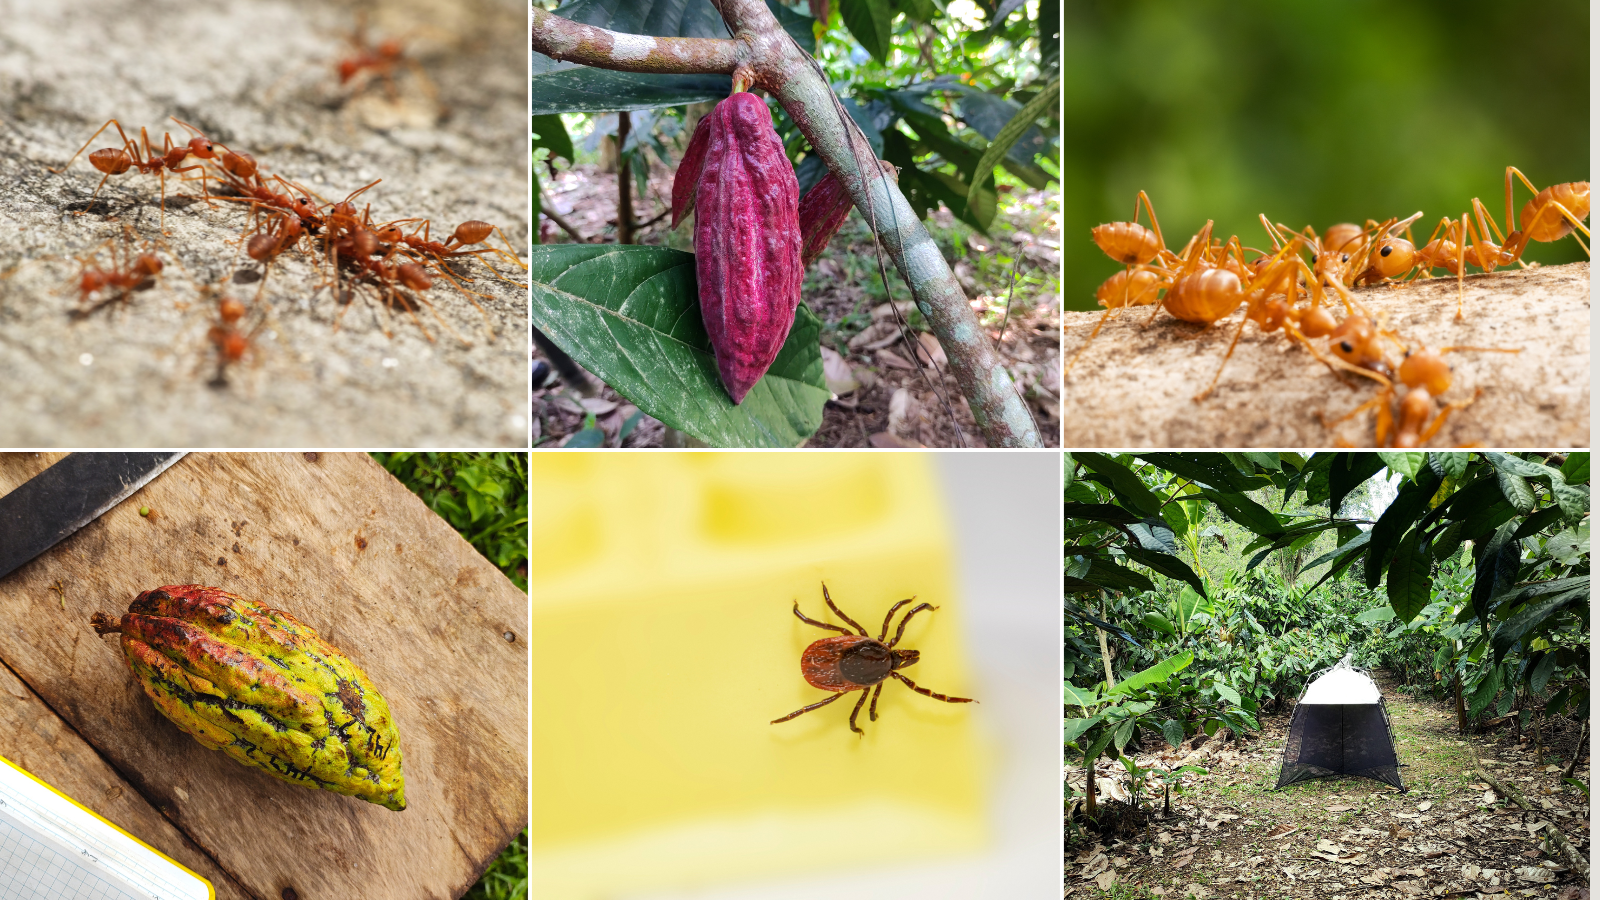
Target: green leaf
{"type": "Point", "coordinates": [1571, 546]}
{"type": "Point", "coordinates": [869, 21]}
{"type": "Point", "coordinates": [1209, 469]}
{"type": "Point", "coordinates": [1499, 560]}
{"type": "Point", "coordinates": [1108, 574]}
{"type": "Point", "coordinates": [1449, 465]}
{"type": "Point", "coordinates": [1541, 673]}
{"type": "Point", "coordinates": [1124, 734]}
{"type": "Point", "coordinates": [1375, 615]}
{"type": "Point", "coordinates": [1516, 490]}
{"type": "Point", "coordinates": [1158, 622]}
{"type": "Point", "coordinates": [1130, 491]}
{"type": "Point", "coordinates": [1072, 729]}
{"type": "Point", "coordinates": [1483, 695]}
{"type": "Point", "coordinates": [1156, 674]}
{"type": "Point", "coordinates": [1187, 604]}
{"type": "Point", "coordinates": [1573, 499]}
{"type": "Point", "coordinates": [1044, 101]}
{"type": "Point", "coordinates": [1168, 565]}
{"type": "Point", "coordinates": [1076, 696]}
{"type": "Point", "coordinates": [1525, 621]}
{"type": "Point", "coordinates": [631, 315]}
{"type": "Point", "coordinates": [1227, 693]}
{"type": "Point", "coordinates": [1345, 472]}
{"type": "Point", "coordinates": [1173, 732]}
{"type": "Point", "coordinates": [1408, 506]}
{"type": "Point", "coordinates": [1411, 575]}
{"type": "Point", "coordinates": [1576, 469]}
{"type": "Point", "coordinates": [1406, 464]}
{"type": "Point", "coordinates": [549, 132]}
{"type": "Point", "coordinates": [1247, 512]}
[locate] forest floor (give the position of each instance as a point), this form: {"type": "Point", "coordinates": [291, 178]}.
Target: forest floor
{"type": "Point", "coordinates": [882, 397]}
{"type": "Point", "coordinates": [1229, 835]}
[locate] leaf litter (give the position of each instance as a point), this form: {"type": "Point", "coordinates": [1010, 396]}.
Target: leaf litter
{"type": "Point", "coordinates": [1230, 836]}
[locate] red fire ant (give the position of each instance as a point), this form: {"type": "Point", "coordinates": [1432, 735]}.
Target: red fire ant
{"type": "Point", "coordinates": [381, 60]}
{"type": "Point", "coordinates": [130, 273]}
{"type": "Point", "coordinates": [140, 156]}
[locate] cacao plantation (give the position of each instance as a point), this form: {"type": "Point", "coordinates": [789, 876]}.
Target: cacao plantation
{"type": "Point", "coordinates": [262, 687]}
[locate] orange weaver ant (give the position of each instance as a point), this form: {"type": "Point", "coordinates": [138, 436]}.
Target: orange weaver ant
{"type": "Point", "coordinates": [112, 161]}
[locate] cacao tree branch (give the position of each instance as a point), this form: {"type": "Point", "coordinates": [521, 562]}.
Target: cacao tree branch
{"type": "Point", "coordinates": [566, 40]}
{"type": "Point", "coordinates": [784, 70]}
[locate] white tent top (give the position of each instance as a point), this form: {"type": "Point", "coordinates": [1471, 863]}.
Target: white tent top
{"type": "Point", "coordinates": [1341, 686]}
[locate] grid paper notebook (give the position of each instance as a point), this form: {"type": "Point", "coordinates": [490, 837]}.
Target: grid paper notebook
{"type": "Point", "coordinates": [53, 849]}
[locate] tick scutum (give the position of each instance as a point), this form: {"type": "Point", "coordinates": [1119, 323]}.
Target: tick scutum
{"type": "Point", "coordinates": [866, 663]}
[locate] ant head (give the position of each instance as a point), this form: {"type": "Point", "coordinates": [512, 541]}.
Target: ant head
{"type": "Point", "coordinates": [230, 310]}
{"type": "Point", "coordinates": [903, 658]}
{"type": "Point", "coordinates": [202, 148]}
{"type": "Point", "coordinates": [148, 265]}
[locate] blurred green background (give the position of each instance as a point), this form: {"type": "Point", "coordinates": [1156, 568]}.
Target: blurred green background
{"type": "Point", "coordinates": [1313, 113]}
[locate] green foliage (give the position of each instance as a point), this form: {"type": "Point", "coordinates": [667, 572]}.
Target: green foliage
{"type": "Point", "coordinates": [1313, 114]}
{"type": "Point", "coordinates": [484, 497]}
{"type": "Point", "coordinates": [1475, 573]}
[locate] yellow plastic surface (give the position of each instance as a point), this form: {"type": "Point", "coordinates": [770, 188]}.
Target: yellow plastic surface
{"type": "Point", "coordinates": [664, 644]}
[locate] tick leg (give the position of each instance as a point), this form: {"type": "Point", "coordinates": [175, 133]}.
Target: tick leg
{"type": "Point", "coordinates": [902, 629]}
{"type": "Point", "coordinates": [840, 613]}
{"type": "Point", "coordinates": [874, 709]}
{"type": "Point", "coordinates": [857, 711]}
{"type": "Point", "coordinates": [927, 693]}
{"type": "Point", "coordinates": [890, 617]}
{"type": "Point", "coordinates": [810, 621]}
{"type": "Point", "coordinates": [803, 710]}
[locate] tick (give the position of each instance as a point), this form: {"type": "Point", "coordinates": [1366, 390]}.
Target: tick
{"type": "Point", "coordinates": [857, 662]}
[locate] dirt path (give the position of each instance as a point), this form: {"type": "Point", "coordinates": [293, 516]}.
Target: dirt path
{"type": "Point", "coordinates": [1230, 835]}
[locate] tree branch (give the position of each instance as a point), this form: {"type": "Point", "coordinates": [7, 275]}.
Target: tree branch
{"type": "Point", "coordinates": [1134, 386]}
{"type": "Point", "coordinates": [784, 70]}
{"type": "Point", "coordinates": [566, 40]}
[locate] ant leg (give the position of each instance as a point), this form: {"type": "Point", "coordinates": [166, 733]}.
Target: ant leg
{"type": "Point", "coordinates": [805, 709]}
{"type": "Point", "coordinates": [874, 710]}
{"type": "Point", "coordinates": [810, 621]}
{"type": "Point", "coordinates": [857, 711]}
{"type": "Point", "coordinates": [1227, 356]}
{"type": "Point", "coordinates": [1438, 422]}
{"type": "Point", "coordinates": [902, 629]}
{"type": "Point", "coordinates": [1103, 318]}
{"type": "Point", "coordinates": [840, 613]}
{"type": "Point", "coordinates": [927, 693]}
{"type": "Point", "coordinates": [890, 616]}
{"type": "Point", "coordinates": [109, 123]}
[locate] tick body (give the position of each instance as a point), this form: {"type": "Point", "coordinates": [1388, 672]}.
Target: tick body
{"type": "Point", "coordinates": [855, 661]}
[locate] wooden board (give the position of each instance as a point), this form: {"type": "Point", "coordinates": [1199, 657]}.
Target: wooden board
{"type": "Point", "coordinates": [338, 542]}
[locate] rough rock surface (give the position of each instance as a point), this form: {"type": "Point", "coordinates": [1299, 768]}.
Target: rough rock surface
{"type": "Point", "coordinates": [260, 77]}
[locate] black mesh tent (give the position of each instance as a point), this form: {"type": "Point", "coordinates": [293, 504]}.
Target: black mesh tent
{"type": "Point", "coordinates": [1340, 728]}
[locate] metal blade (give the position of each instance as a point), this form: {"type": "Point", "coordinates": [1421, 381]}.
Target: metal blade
{"type": "Point", "coordinates": [67, 496]}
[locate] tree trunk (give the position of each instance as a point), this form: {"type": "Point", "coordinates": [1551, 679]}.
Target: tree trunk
{"type": "Point", "coordinates": [1583, 738]}
{"type": "Point", "coordinates": [1461, 707]}
{"type": "Point", "coordinates": [1271, 393]}
{"type": "Point", "coordinates": [624, 181]}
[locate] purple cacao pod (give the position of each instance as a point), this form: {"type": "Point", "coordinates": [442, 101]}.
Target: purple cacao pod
{"type": "Point", "coordinates": [822, 210]}
{"type": "Point", "coordinates": [746, 241]}
{"type": "Point", "coordinates": [688, 174]}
